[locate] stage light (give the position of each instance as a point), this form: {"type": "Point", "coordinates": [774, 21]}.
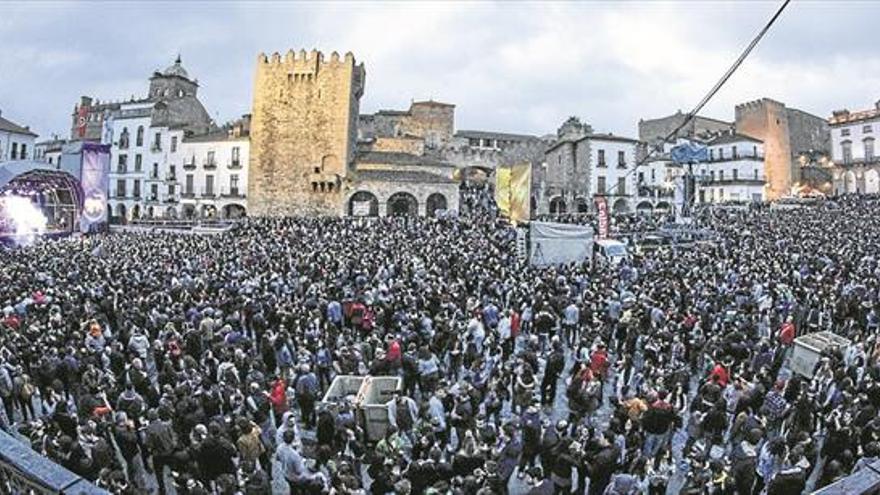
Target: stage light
{"type": "Point", "coordinates": [28, 219]}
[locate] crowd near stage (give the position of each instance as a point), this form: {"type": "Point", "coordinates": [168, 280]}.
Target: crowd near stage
{"type": "Point", "coordinates": [433, 355]}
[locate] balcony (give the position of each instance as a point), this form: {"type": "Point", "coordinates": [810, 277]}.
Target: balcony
{"type": "Point", "coordinates": [119, 195]}
{"type": "Point", "coordinates": [189, 165]}
{"type": "Point", "coordinates": [171, 200]}
{"type": "Point", "coordinates": [121, 171]}
{"type": "Point", "coordinates": [746, 181]}
{"type": "Point", "coordinates": [188, 195]}
{"type": "Point", "coordinates": [858, 162]}
{"type": "Point", "coordinates": [210, 165]}
{"type": "Point", "coordinates": [621, 164]}
{"type": "Point", "coordinates": [233, 193]}
{"type": "Point", "coordinates": [602, 164]}
{"type": "Point", "coordinates": [170, 178]}
{"type": "Point", "coordinates": [209, 193]}
{"type": "Point", "coordinates": [136, 196]}
{"type": "Point", "coordinates": [234, 165]}
{"type": "Point", "coordinates": [152, 199]}
{"type": "Point", "coordinates": [156, 147]}
{"type": "Point", "coordinates": [153, 176]}
{"type": "Point", "coordinates": [751, 157]}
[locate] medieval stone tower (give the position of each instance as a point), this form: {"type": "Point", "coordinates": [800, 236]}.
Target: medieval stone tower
{"type": "Point", "coordinates": [767, 120]}
{"type": "Point", "coordinates": [303, 132]}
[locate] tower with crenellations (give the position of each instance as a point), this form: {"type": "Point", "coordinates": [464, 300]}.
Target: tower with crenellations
{"type": "Point", "coordinates": [303, 132]}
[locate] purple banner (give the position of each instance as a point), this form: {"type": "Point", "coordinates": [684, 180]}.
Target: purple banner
{"type": "Point", "coordinates": [95, 183]}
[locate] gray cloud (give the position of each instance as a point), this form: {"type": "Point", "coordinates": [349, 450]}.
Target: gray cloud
{"type": "Point", "coordinates": [520, 67]}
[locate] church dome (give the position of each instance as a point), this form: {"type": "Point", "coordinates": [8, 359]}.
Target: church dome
{"type": "Point", "coordinates": [176, 70]}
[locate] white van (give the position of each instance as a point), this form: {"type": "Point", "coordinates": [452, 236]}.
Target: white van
{"type": "Point", "coordinates": [612, 251]}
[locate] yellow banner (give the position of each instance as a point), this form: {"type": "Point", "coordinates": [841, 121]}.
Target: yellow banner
{"type": "Point", "coordinates": [513, 187]}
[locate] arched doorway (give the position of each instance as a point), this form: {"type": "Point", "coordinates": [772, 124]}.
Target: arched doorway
{"type": "Point", "coordinates": [644, 207]}
{"type": "Point", "coordinates": [403, 204]}
{"type": "Point", "coordinates": [581, 205]}
{"type": "Point", "coordinates": [557, 205]}
{"type": "Point", "coordinates": [662, 207]}
{"type": "Point", "coordinates": [620, 206]}
{"type": "Point", "coordinates": [150, 212]}
{"type": "Point", "coordinates": [233, 211]}
{"type": "Point", "coordinates": [120, 213]}
{"type": "Point", "coordinates": [135, 212]}
{"type": "Point", "coordinates": [209, 211]}
{"type": "Point", "coordinates": [189, 211]}
{"type": "Point", "coordinates": [363, 204]}
{"type": "Point", "coordinates": [170, 212]}
{"type": "Point", "coordinates": [849, 182]}
{"type": "Point", "coordinates": [872, 182]}
{"type": "Point", "coordinates": [435, 202]}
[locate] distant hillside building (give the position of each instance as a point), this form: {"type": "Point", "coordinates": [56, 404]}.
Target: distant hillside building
{"type": "Point", "coordinates": [786, 133]}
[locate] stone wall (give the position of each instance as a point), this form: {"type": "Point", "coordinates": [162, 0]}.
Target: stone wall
{"type": "Point", "coordinates": [303, 132]}
{"type": "Point", "coordinates": [807, 132]}
{"type": "Point", "coordinates": [383, 190]}
{"type": "Point", "coordinates": [653, 130]}
{"type": "Point", "coordinates": [413, 145]}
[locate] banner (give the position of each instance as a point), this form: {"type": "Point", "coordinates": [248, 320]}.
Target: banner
{"type": "Point", "coordinates": [513, 190]}
{"type": "Point", "coordinates": [82, 121]}
{"type": "Point", "coordinates": [690, 153]}
{"type": "Point", "coordinates": [602, 209]}
{"type": "Point", "coordinates": [95, 183]}
{"type": "Point", "coordinates": [559, 243]}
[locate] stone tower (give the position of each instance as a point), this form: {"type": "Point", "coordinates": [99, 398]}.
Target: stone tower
{"type": "Point", "coordinates": [767, 120]}
{"type": "Point", "coordinates": [303, 132]}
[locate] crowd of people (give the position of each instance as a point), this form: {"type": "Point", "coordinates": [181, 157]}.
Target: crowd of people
{"type": "Point", "coordinates": [197, 364]}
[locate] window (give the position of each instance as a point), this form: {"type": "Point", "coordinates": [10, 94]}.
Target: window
{"type": "Point", "coordinates": [137, 189]}
{"type": "Point", "coordinates": [173, 144]}
{"type": "Point", "coordinates": [233, 184]}
{"type": "Point", "coordinates": [653, 176]}
{"type": "Point", "coordinates": [157, 142]}
{"type": "Point", "coordinates": [721, 153]}
{"type": "Point", "coordinates": [621, 159]}
{"type": "Point", "coordinates": [867, 129]}
{"type": "Point", "coordinates": [138, 162]}
{"type": "Point", "coordinates": [712, 155]}
{"type": "Point", "coordinates": [122, 167]}
{"type": "Point", "coordinates": [474, 142]}
{"type": "Point", "coordinates": [14, 151]}
{"type": "Point", "coordinates": [756, 174]}
{"type": "Point", "coordinates": [642, 177]}
{"type": "Point", "coordinates": [720, 175]}
{"type": "Point", "coordinates": [139, 139]}
{"type": "Point", "coordinates": [189, 183]}
{"type": "Point", "coordinates": [733, 152]}
{"type": "Point", "coordinates": [154, 192]}
{"type": "Point", "coordinates": [844, 132]}
{"type": "Point", "coordinates": [712, 175]}
{"type": "Point", "coordinates": [235, 156]}
{"type": "Point", "coordinates": [155, 173]}
{"type": "Point", "coordinates": [869, 150]}
{"type": "Point", "coordinates": [621, 185]}
{"type": "Point", "coordinates": [755, 151]}
{"type": "Point", "coordinates": [210, 158]}
{"type": "Point", "coordinates": [123, 138]}
{"type": "Point", "coordinates": [172, 172]}
{"type": "Point", "coordinates": [209, 185]}
{"type": "Point", "coordinates": [171, 189]}
{"type": "Point", "coordinates": [600, 185]}
{"type": "Point", "coordinates": [23, 151]}
{"type": "Point", "coordinates": [601, 158]}
{"type": "Point", "coordinates": [120, 188]}
{"type": "Point", "coordinates": [846, 151]}
{"type": "Point", "coordinates": [735, 174]}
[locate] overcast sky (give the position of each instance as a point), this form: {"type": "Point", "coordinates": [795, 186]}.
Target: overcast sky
{"type": "Point", "coordinates": [514, 67]}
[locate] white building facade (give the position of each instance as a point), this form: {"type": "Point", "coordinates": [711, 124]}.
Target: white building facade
{"type": "Point", "coordinates": [214, 178]}
{"type": "Point", "coordinates": [854, 151]}
{"type": "Point", "coordinates": [16, 141]}
{"type": "Point", "coordinates": [734, 172]}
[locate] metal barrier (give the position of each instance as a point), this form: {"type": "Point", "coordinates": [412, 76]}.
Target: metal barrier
{"type": "Point", "coordinates": [25, 472]}
{"type": "Point", "coordinates": [865, 481]}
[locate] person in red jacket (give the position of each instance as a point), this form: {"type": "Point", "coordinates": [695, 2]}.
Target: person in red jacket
{"type": "Point", "coordinates": [278, 397]}
{"type": "Point", "coordinates": [599, 361]}
{"type": "Point", "coordinates": [720, 374]}
{"type": "Point", "coordinates": [787, 332]}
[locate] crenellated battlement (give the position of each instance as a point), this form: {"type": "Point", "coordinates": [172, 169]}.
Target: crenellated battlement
{"type": "Point", "coordinates": [303, 61]}
{"type": "Point", "coordinates": [758, 105]}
